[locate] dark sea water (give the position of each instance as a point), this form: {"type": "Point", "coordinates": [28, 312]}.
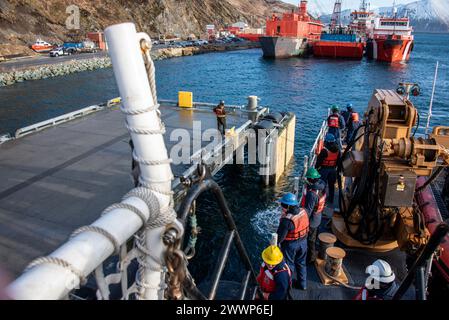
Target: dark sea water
{"type": "Point", "coordinates": [304, 86]}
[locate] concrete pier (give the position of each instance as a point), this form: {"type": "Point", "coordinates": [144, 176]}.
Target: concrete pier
{"type": "Point", "coordinates": [61, 178]}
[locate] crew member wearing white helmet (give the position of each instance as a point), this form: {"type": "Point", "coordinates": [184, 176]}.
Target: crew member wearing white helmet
{"type": "Point", "coordinates": [380, 284]}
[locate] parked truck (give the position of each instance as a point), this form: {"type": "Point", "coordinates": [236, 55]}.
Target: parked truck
{"type": "Point", "coordinates": [80, 47]}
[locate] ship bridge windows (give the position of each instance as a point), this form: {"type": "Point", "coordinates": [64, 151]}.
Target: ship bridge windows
{"type": "Point", "coordinates": [394, 23]}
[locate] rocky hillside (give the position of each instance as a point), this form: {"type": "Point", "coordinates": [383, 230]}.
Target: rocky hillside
{"type": "Point", "coordinates": [22, 21]}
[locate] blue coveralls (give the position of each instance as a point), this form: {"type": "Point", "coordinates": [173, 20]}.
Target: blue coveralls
{"type": "Point", "coordinates": [283, 281]}
{"type": "Point", "coordinates": [328, 174]}
{"type": "Point", "coordinates": [295, 251]}
{"type": "Point", "coordinates": [337, 131]}
{"type": "Point", "coordinates": [315, 219]}
{"type": "Point", "coordinates": [352, 127]}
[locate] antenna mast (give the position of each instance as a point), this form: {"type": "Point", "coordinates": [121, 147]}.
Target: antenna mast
{"type": "Point", "coordinates": [336, 15]}
{"type": "Point", "coordinates": [364, 6]}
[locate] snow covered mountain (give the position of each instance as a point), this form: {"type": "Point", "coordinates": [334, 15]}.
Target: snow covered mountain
{"type": "Point", "coordinates": [425, 15]}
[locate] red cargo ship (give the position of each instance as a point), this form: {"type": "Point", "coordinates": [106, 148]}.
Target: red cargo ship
{"type": "Point", "coordinates": [290, 35]}
{"type": "Point", "coordinates": [338, 46]}
{"type": "Point", "coordinates": [342, 42]}
{"type": "Point", "coordinates": [391, 40]}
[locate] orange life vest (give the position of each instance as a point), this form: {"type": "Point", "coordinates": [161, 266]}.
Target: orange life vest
{"type": "Point", "coordinates": [355, 117]}
{"type": "Point", "coordinates": [301, 222]}
{"type": "Point", "coordinates": [333, 121]}
{"type": "Point", "coordinates": [319, 207]}
{"type": "Point", "coordinates": [331, 159]}
{"type": "Point", "coordinates": [221, 113]}
{"type": "Point", "coordinates": [265, 279]}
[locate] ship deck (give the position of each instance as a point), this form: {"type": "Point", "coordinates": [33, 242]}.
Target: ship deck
{"type": "Point", "coordinates": [61, 178]}
{"type": "Point", "coordinates": [354, 265]}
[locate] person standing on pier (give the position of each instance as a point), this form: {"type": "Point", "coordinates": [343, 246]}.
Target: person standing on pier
{"type": "Point", "coordinates": [313, 201]}
{"type": "Point", "coordinates": [220, 112]}
{"type": "Point", "coordinates": [292, 236]}
{"type": "Point", "coordinates": [336, 124]}
{"type": "Point", "coordinates": [326, 164]}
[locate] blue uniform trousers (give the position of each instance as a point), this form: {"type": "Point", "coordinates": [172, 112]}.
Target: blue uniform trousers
{"type": "Point", "coordinates": [295, 254]}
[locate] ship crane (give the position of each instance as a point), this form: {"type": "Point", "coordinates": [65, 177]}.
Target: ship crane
{"type": "Point", "coordinates": [336, 16]}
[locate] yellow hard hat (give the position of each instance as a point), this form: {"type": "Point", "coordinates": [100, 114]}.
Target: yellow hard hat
{"type": "Point", "coordinates": [272, 255]}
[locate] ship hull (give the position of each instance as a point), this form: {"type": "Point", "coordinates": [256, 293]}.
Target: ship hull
{"type": "Point", "coordinates": [338, 49]}
{"type": "Point", "coordinates": [284, 47]}
{"type": "Point", "coordinates": [389, 50]}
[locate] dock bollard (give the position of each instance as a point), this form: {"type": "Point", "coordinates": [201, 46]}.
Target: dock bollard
{"type": "Point", "coordinates": [326, 240]}
{"type": "Point", "coordinates": [252, 108]}
{"type": "Point", "coordinates": [334, 261]}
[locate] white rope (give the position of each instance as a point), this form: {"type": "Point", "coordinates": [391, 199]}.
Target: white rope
{"type": "Point", "coordinates": [134, 112]}
{"type": "Point", "coordinates": [59, 262]}
{"type": "Point", "coordinates": [135, 130]}
{"type": "Point", "coordinates": [101, 231]}
{"type": "Point", "coordinates": [126, 206]}
{"type": "Point", "coordinates": [150, 162]}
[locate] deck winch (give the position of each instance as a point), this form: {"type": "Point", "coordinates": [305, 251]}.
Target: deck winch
{"type": "Point", "coordinates": [383, 162]}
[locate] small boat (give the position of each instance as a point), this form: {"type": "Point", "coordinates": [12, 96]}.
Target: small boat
{"type": "Point", "coordinates": [42, 46]}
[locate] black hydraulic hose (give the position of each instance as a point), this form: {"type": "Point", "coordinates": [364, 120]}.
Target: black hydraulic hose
{"type": "Point", "coordinates": [341, 203]}
{"type": "Point", "coordinates": [369, 228]}
{"type": "Point", "coordinates": [417, 124]}
{"type": "Point", "coordinates": [437, 237]}
{"type": "Point", "coordinates": [430, 180]}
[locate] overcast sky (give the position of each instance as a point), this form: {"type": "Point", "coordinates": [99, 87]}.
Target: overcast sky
{"type": "Point", "coordinates": [328, 5]}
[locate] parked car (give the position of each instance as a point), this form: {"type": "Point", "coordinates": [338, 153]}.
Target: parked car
{"type": "Point", "coordinates": [236, 39]}
{"type": "Point", "coordinates": [59, 51]}
{"type": "Point", "coordinates": [174, 44]}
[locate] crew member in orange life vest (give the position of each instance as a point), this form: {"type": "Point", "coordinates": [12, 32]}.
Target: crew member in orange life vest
{"type": "Point", "coordinates": [314, 201]}
{"type": "Point", "coordinates": [352, 123]}
{"type": "Point", "coordinates": [326, 164]}
{"type": "Point", "coordinates": [292, 236]}
{"type": "Point", "coordinates": [220, 112]}
{"type": "Point", "coordinates": [274, 277]}
{"type": "Point", "coordinates": [336, 124]}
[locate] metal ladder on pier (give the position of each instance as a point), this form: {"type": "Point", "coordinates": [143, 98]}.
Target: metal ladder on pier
{"type": "Point", "coordinates": [205, 183]}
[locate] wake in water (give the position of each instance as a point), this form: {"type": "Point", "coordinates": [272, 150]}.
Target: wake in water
{"type": "Point", "coordinates": [266, 222]}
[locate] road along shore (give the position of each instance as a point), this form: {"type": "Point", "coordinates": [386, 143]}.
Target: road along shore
{"type": "Point", "coordinates": [19, 73]}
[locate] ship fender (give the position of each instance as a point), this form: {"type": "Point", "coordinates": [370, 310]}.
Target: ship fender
{"type": "Point", "coordinates": [429, 207]}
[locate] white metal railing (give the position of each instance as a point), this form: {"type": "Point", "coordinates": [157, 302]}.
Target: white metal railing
{"type": "Point", "coordinates": [62, 119]}
{"type": "Point", "coordinates": [5, 137]}
{"type": "Point", "coordinates": [150, 206]}
{"type": "Point", "coordinates": [57, 120]}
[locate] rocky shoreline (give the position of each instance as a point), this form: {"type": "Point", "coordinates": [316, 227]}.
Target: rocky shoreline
{"type": "Point", "coordinates": [73, 66]}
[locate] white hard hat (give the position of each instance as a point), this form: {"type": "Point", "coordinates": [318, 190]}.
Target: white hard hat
{"type": "Point", "coordinates": [381, 271]}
